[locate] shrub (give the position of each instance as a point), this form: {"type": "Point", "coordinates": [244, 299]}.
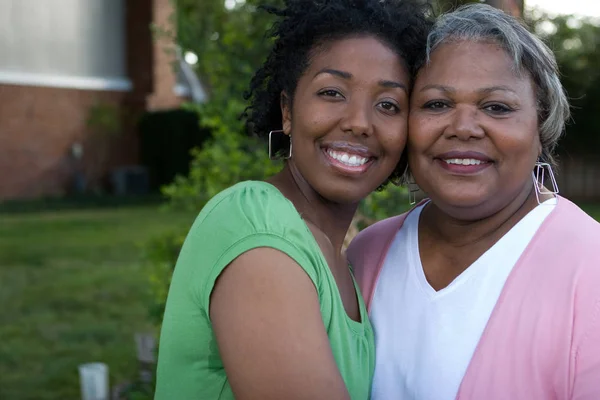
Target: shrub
{"type": "Point", "coordinates": [161, 254]}
{"type": "Point", "coordinates": [166, 141]}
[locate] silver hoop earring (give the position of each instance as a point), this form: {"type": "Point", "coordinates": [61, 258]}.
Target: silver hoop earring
{"type": "Point", "coordinates": [280, 145]}
{"type": "Point", "coordinates": [413, 188]}
{"type": "Point", "coordinates": [539, 177]}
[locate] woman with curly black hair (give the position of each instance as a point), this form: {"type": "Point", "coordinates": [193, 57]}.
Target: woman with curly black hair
{"type": "Point", "coordinates": [262, 303]}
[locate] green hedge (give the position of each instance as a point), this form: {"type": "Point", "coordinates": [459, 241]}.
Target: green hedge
{"type": "Point", "coordinates": [166, 141]}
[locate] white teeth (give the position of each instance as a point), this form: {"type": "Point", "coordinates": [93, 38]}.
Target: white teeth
{"type": "Point", "coordinates": [351, 160]}
{"type": "Point", "coordinates": [463, 161]}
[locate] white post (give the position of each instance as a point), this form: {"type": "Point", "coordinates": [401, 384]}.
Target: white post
{"type": "Point", "coordinates": [94, 381]}
{"type": "Point", "coordinates": [146, 346]}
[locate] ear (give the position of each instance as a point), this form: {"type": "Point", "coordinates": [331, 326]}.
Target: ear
{"type": "Point", "coordinates": [286, 113]}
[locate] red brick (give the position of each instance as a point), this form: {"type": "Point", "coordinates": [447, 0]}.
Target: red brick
{"type": "Point", "coordinates": [38, 125]}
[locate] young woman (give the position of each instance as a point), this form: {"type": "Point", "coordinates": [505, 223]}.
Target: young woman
{"type": "Point", "coordinates": [262, 304]}
{"type": "Point", "coordinates": [490, 288]}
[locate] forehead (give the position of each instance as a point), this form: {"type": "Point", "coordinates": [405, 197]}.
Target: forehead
{"type": "Point", "coordinates": [366, 53]}
{"type": "Point", "coordinates": [473, 63]}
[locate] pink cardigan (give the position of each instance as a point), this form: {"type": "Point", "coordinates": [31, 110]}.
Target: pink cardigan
{"type": "Point", "coordinates": [542, 341]}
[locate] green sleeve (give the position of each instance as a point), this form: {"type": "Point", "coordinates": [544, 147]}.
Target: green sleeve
{"type": "Point", "coordinates": [247, 216]}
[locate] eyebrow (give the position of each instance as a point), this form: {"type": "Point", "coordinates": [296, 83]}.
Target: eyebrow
{"type": "Point", "coordinates": [347, 76]}
{"type": "Point", "coordinates": [487, 90]}
{"type": "Point", "coordinates": [438, 87]}
{"type": "Point", "coordinates": [499, 88]}
{"type": "Point", "coordinates": [392, 84]}
{"type": "Point", "coordinates": [335, 72]}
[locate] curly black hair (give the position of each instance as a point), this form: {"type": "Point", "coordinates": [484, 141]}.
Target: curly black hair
{"type": "Point", "coordinates": [305, 25]}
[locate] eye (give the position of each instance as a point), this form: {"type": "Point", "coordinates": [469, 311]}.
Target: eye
{"type": "Point", "coordinates": [330, 93]}
{"type": "Point", "coordinates": [497, 108]}
{"type": "Point", "coordinates": [389, 107]}
{"type": "Point", "coordinates": [435, 105]}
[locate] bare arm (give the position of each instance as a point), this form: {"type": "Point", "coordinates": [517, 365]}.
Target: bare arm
{"type": "Point", "coordinates": [266, 317]}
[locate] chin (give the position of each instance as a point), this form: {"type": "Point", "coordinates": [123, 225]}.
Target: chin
{"type": "Point", "coordinates": [343, 198]}
{"type": "Point", "coordinates": [346, 194]}
{"type": "Point", "coordinates": [464, 199]}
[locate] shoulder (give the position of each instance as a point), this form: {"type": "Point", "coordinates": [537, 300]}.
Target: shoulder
{"type": "Point", "coordinates": [569, 254]}
{"type": "Point", "coordinates": [247, 212]}
{"type": "Point", "coordinates": [247, 216]}
{"type": "Point", "coordinates": [368, 250]}
{"type": "Point", "coordinates": [565, 249]}
{"type": "Point", "coordinates": [253, 198]}
{"type": "Point", "coordinates": [573, 228]}
{"type": "Point", "coordinates": [245, 208]}
{"type": "Point", "coordinates": [373, 240]}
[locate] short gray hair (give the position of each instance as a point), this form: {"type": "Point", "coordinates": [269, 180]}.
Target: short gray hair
{"type": "Point", "coordinates": [481, 22]}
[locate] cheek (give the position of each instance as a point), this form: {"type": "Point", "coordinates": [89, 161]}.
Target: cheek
{"type": "Point", "coordinates": [521, 141]}
{"type": "Point", "coordinates": [316, 120]}
{"type": "Point", "coordinates": [394, 140]}
{"type": "Point", "coordinates": [421, 133]}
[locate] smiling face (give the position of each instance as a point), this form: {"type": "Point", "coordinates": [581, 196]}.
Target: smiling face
{"type": "Point", "coordinates": [473, 129]}
{"type": "Point", "coordinates": [348, 119]}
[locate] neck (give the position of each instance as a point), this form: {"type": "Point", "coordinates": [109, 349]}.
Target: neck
{"type": "Point", "coordinates": [333, 219]}
{"type": "Point", "coordinates": [460, 232]}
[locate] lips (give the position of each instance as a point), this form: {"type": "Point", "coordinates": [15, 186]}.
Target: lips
{"type": "Point", "coordinates": [347, 158]}
{"type": "Point", "coordinates": [459, 157]}
{"type": "Point", "coordinates": [352, 160]}
{"type": "Point", "coordinates": [468, 162]}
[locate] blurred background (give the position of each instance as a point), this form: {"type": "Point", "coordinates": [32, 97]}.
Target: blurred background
{"type": "Point", "coordinates": [118, 120]}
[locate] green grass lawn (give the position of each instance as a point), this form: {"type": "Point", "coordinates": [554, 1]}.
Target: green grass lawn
{"type": "Point", "coordinates": [73, 290]}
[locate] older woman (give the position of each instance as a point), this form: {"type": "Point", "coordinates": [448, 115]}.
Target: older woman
{"type": "Point", "coordinates": [490, 288]}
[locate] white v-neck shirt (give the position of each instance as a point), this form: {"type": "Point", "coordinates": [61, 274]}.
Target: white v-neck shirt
{"type": "Point", "coordinates": [425, 339]}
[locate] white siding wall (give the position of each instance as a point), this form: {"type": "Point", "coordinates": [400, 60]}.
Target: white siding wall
{"type": "Point", "coordinates": [64, 43]}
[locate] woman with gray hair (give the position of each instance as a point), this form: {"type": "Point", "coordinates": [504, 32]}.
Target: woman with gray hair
{"type": "Point", "coordinates": [489, 288]}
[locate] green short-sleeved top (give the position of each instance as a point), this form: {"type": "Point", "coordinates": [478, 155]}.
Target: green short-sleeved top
{"type": "Point", "coordinates": [248, 215]}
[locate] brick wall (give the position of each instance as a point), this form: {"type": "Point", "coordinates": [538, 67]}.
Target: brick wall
{"type": "Point", "coordinates": [163, 55]}
{"type": "Point", "coordinates": [39, 125]}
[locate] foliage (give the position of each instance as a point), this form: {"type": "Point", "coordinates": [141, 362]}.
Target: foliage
{"type": "Point", "coordinates": [441, 6]}
{"type": "Point", "coordinates": [227, 158]}
{"type": "Point", "coordinates": [574, 41]}
{"type": "Point", "coordinates": [231, 45]}
{"type": "Point", "coordinates": [166, 139]}
{"type": "Point", "coordinates": [447, 5]}
{"type": "Point", "coordinates": [392, 200]}
{"type": "Point", "coordinates": [161, 254]}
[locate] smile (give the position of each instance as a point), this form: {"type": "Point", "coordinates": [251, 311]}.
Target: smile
{"type": "Point", "coordinates": [463, 161]}
{"type": "Point", "coordinates": [351, 160]}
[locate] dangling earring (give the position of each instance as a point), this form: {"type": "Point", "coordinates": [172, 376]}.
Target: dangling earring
{"type": "Point", "coordinates": [413, 188]}
{"type": "Point", "coordinates": [280, 145]}
{"type": "Point", "coordinates": [539, 176]}
{"type": "Point", "coordinates": [396, 180]}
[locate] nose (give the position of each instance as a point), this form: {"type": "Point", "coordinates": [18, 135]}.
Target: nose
{"type": "Point", "coordinates": [465, 124]}
{"type": "Point", "coordinates": [357, 118]}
